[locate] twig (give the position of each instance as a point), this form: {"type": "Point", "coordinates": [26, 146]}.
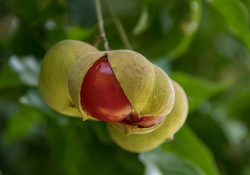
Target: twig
{"type": "Point", "coordinates": [101, 24]}
{"type": "Point", "coordinates": [97, 40]}
{"type": "Point", "coordinates": [119, 26]}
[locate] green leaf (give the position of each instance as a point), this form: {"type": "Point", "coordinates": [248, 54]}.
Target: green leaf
{"type": "Point", "coordinates": [22, 124]}
{"type": "Point", "coordinates": [8, 77]}
{"type": "Point", "coordinates": [20, 7]}
{"type": "Point", "coordinates": [26, 40]}
{"type": "Point", "coordinates": [76, 150]}
{"type": "Point", "coordinates": [198, 89]}
{"type": "Point", "coordinates": [101, 132]}
{"type": "Point", "coordinates": [142, 24]}
{"type": "Point", "coordinates": [82, 13]}
{"type": "Point", "coordinates": [187, 145]}
{"type": "Point", "coordinates": [236, 17]}
{"type": "Point", "coordinates": [167, 28]}
{"type": "Point", "coordinates": [34, 99]}
{"type": "Point", "coordinates": [234, 130]}
{"type": "Point", "coordinates": [159, 162]}
{"type": "Point", "coordinates": [189, 27]}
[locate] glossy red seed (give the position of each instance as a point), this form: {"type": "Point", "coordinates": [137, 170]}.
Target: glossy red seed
{"type": "Point", "coordinates": [101, 94]}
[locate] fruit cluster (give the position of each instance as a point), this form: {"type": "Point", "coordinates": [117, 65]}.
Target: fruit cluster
{"type": "Point", "coordinates": [142, 105]}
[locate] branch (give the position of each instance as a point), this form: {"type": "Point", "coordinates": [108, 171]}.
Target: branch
{"type": "Point", "coordinates": [101, 24]}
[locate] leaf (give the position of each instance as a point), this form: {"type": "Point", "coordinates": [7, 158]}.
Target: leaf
{"type": "Point", "coordinates": [26, 40]}
{"type": "Point", "coordinates": [167, 28]}
{"type": "Point", "coordinates": [33, 99]}
{"type": "Point", "coordinates": [8, 77]}
{"type": "Point", "coordinates": [27, 68]}
{"type": "Point", "coordinates": [234, 130]}
{"type": "Point", "coordinates": [101, 132]}
{"type": "Point", "coordinates": [22, 124]}
{"type": "Point", "coordinates": [236, 17]}
{"type": "Point", "coordinates": [187, 145]}
{"type": "Point", "coordinates": [76, 150]}
{"type": "Point", "coordinates": [198, 89]}
{"type": "Point", "coordinates": [20, 8]}
{"type": "Point", "coordinates": [189, 28]}
{"type": "Point", "coordinates": [158, 162]}
{"type": "Point", "coordinates": [164, 64]}
{"type": "Point", "coordinates": [143, 22]}
{"type": "Point", "coordinates": [82, 13]}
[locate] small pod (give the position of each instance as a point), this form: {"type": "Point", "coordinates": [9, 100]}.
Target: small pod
{"type": "Point", "coordinates": [147, 88]}
{"type": "Point", "coordinates": [146, 142]}
{"type": "Point", "coordinates": [53, 78]}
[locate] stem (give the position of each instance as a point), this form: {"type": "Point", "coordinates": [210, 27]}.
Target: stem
{"type": "Point", "coordinates": [101, 24]}
{"type": "Point", "coordinates": [119, 26]}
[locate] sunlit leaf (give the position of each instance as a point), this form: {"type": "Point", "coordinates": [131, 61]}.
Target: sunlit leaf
{"type": "Point", "coordinates": [187, 145]}
{"type": "Point", "coordinates": [143, 22]}
{"type": "Point", "coordinates": [172, 30]}
{"type": "Point", "coordinates": [234, 130]}
{"type": "Point", "coordinates": [27, 69]}
{"type": "Point", "coordinates": [236, 17]}
{"type": "Point", "coordinates": [158, 162]}
{"type": "Point", "coordinates": [33, 99]}
{"type": "Point", "coordinates": [198, 89]}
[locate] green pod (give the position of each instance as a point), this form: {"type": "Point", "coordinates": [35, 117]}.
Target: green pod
{"type": "Point", "coordinates": [148, 89]}
{"type": "Point", "coordinates": [145, 142]}
{"type": "Point", "coordinates": [53, 78]}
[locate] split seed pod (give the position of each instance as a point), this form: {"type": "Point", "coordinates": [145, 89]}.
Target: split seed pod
{"type": "Point", "coordinates": [53, 78]}
{"type": "Point", "coordinates": [145, 142]}
{"type": "Point", "coordinates": [148, 89]}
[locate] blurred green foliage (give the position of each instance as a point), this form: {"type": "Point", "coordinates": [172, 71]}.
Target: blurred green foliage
{"type": "Point", "coordinates": [202, 44]}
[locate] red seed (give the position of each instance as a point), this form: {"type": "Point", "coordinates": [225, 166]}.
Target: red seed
{"type": "Point", "coordinates": [101, 94]}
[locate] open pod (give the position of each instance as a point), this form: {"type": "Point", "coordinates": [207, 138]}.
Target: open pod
{"type": "Point", "coordinates": [145, 142]}
{"type": "Point", "coordinates": [148, 89]}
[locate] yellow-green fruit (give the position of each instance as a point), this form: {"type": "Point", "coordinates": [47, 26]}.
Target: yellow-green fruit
{"type": "Point", "coordinates": [146, 142]}
{"type": "Point", "coordinates": [148, 89]}
{"type": "Point", "coordinates": [53, 79]}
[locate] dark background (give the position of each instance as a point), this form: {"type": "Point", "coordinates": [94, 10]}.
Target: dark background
{"type": "Point", "coordinates": [202, 44]}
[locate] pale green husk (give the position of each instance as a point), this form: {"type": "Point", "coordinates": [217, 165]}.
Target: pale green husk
{"type": "Point", "coordinates": [148, 89]}
{"type": "Point", "coordinates": [53, 78]}
{"type": "Point", "coordinates": [76, 76]}
{"type": "Point", "coordinates": [146, 142]}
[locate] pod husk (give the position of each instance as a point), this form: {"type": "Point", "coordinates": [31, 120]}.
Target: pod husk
{"type": "Point", "coordinates": [53, 78]}
{"type": "Point", "coordinates": [145, 142]}
{"type": "Point", "coordinates": [148, 89]}
{"type": "Point", "coordinates": [129, 129]}
{"type": "Point", "coordinates": [76, 76]}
